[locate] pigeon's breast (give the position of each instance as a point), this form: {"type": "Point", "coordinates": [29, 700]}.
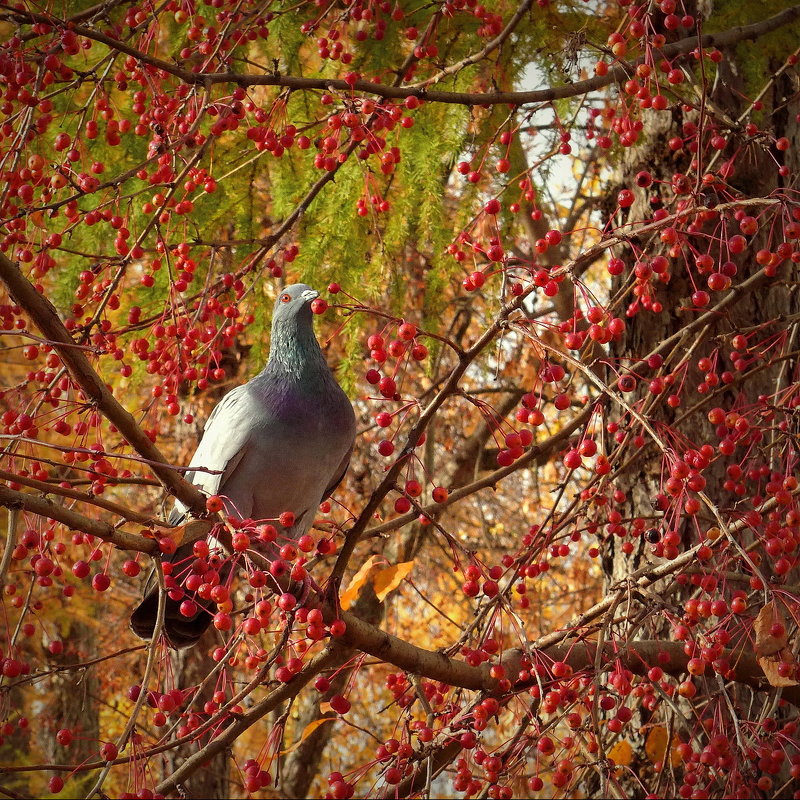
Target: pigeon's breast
{"type": "Point", "coordinates": [294, 451]}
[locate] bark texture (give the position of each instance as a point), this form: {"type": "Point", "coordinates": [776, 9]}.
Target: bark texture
{"type": "Point", "coordinates": [764, 312]}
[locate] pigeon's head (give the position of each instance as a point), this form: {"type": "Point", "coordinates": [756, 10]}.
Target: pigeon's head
{"type": "Point", "coordinates": [293, 342]}
{"type": "Point", "coordinates": [293, 346]}
{"type": "Point", "coordinates": [293, 305]}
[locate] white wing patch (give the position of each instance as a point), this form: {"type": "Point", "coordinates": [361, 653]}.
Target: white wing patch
{"type": "Point", "coordinates": [223, 444]}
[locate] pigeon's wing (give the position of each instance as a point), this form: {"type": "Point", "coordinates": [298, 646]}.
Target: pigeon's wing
{"type": "Point", "coordinates": [223, 445]}
{"type": "Point", "coordinates": [339, 474]}
{"type": "Point", "coordinates": [224, 441]}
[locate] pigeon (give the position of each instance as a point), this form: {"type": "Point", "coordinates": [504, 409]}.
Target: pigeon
{"type": "Point", "coordinates": [279, 443]}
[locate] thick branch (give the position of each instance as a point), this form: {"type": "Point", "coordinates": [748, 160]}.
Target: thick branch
{"type": "Point", "coordinates": [73, 494]}
{"type": "Point", "coordinates": [437, 666]}
{"type": "Point", "coordinates": [637, 656]}
{"type": "Point", "coordinates": [75, 521]}
{"type": "Point", "coordinates": [409, 657]}
{"type": "Point", "coordinates": [325, 660]}
{"type": "Point", "coordinates": [46, 318]}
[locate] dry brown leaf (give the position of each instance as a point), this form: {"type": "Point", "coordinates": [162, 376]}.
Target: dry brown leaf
{"type": "Point", "coordinates": [350, 594]}
{"type": "Point", "coordinates": [190, 531]}
{"type": "Point", "coordinates": [766, 643]}
{"type": "Point", "coordinates": [308, 730]}
{"type": "Point", "coordinates": [387, 580]}
{"type": "Point", "coordinates": [196, 529]}
{"type": "Point", "coordinates": [770, 666]}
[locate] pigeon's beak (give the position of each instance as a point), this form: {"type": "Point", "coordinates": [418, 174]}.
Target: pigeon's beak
{"type": "Point", "coordinates": [309, 295]}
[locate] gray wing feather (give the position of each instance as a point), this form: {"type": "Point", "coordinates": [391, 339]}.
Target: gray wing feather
{"type": "Point", "coordinates": [223, 444]}
{"type": "Point", "coordinates": [339, 474]}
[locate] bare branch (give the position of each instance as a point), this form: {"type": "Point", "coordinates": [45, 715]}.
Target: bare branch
{"type": "Point", "coordinates": [37, 504]}
{"type": "Point", "coordinates": [683, 46]}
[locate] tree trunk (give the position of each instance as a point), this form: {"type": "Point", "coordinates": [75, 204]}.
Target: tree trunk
{"type": "Point", "coordinates": [71, 701]}
{"type": "Point", "coordinates": [190, 667]}
{"type": "Point", "coordinates": [302, 765]}
{"type": "Point", "coordinates": [758, 314]}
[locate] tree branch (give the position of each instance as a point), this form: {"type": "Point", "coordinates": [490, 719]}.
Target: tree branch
{"type": "Point", "coordinates": [465, 359]}
{"type": "Point", "coordinates": [46, 318]}
{"type": "Point", "coordinates": [326, 659]}
{"type": "Point", "coordinates": [534, 455]}
{"type": "Point", "coordinates": [621, 72]}
{"type": "Point", "coordinates": [75, 521]}
{"type": "Point", "coordinates": [490, 47]}
{"type": "Point", "coordinates": [83, 497]}
{"type": "Point", "coordinates": [637, 656]}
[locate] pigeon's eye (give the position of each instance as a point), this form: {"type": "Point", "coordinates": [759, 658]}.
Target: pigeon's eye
{"type": "Point", "coordinates": [285, 298]}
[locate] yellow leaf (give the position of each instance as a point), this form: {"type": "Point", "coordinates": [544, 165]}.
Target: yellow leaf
{"type": "Point", "coordinates": [348, 596]}
{"type": "Point", "coordinates": [387, 580]}
{"type": "Point", "coordinates": [621, 753]}
{"type": "Point", "coordinates": [656, 743]}
{"type": "Point", "coordinates": [656, 746]}
{"type": "Point", "coordinates": [308, 730]}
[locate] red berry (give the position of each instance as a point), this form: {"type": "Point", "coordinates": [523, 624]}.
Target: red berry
{"type": "Point", "coordinates": [214, 504]}
{"type": "Point", "coordinates": [340, 704]}
{"type": "Point", "coordinates": [287, 601]}
{"type": "Point", "coordinates": [64, 737]}
{"type": "Point", "coordinates": [101, 582]}
{"type": "Point", "coordinates": [131, 568]}
{"type": "Point", "coordinates": [109, 751]}
{"type": "Point", "coordinates": [287, 519]}
{"type": "Point", "coordinates": [407, 331]}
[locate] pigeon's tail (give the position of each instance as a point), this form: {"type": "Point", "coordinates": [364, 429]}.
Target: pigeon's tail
{"type": "Point", "coordinates": [180, 630]}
